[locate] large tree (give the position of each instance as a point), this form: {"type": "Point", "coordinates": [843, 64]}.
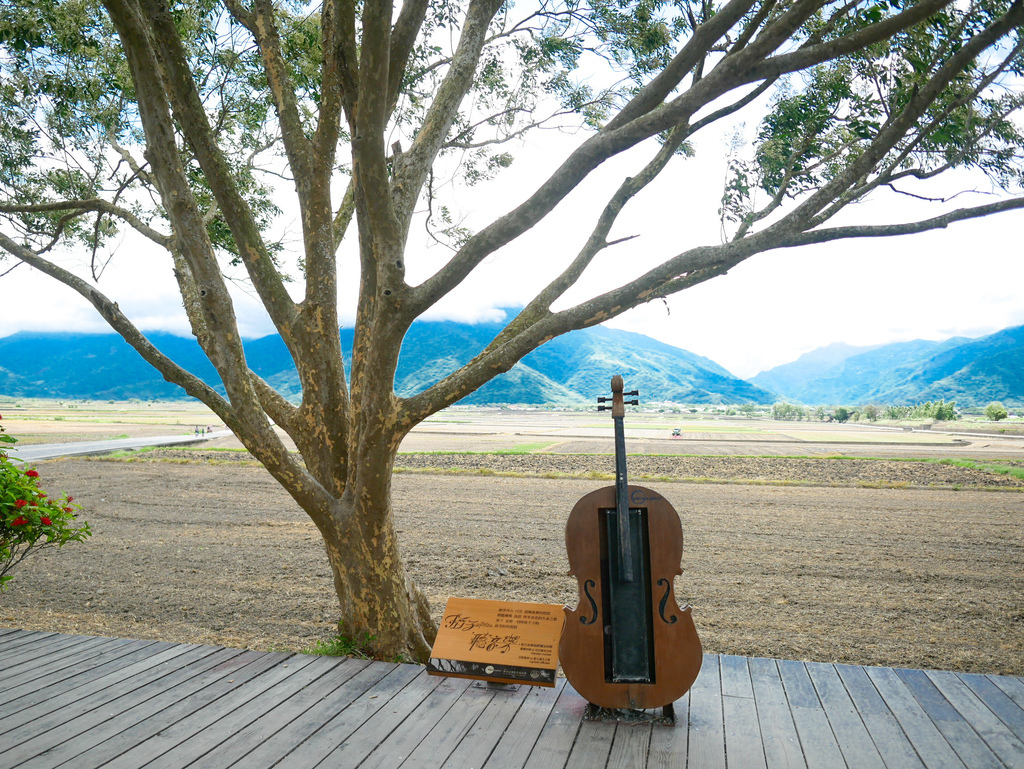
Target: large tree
{"type": "Point", "coordinates": [186, 121]}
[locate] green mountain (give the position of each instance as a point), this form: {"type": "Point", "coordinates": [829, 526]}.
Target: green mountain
{"type": "Point", "coordinates": [972, 372]}
{"type": "Point", "coordinates": [571, 369]}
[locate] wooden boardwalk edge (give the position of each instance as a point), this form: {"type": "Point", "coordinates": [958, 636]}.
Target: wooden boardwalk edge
{"type": "Point", "coordinates": [80, 702]}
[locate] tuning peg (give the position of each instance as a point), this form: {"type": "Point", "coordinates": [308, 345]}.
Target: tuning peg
{"type": "Point", "coordinates": [633, 402]}
{"type": "Point", "coordinates": [634, 392]}
{"type": "Point", "coordinates": [604, 408]}
{"type": "Point", "coordinates": [603, 400]}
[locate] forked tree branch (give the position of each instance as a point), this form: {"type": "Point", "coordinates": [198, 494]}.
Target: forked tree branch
{"type": "Point", "coordinates": [417, 161]}
{"type": "Point", "coordinates": [733, 71]}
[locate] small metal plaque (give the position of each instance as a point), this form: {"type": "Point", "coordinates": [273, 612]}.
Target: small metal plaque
{"type": "Point", "coordinates": [498, 641]}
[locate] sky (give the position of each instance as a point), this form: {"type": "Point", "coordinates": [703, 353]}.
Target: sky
{"type": "Point", "coordinates": [965, 281]}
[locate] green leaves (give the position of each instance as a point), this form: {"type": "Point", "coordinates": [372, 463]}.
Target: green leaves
{"type": "Point", "coordinates": [31, 520]}
{"type": "Point", "coordinates": [891, 108]}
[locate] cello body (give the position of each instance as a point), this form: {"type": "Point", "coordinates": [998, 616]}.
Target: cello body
{"type": "Point", "coordinates": [647, 623]}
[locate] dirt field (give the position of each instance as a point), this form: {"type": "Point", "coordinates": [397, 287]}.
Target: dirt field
{"type": "Point", "coordinates": [920, 575]}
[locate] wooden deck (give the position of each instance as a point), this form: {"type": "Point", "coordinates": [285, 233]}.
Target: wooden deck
{"type": "Point", "coordinates": [82, 702]}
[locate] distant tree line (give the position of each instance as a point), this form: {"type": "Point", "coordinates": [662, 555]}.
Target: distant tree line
{"type": "Point", "coordinates": [938, 410]}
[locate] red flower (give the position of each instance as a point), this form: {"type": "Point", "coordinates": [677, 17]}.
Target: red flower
{"type": "Point", "coordinates": [45, 521]}
{"type": "Point", "coordinates": [20, 503]}
{"type": "Point", "coordinates": [32, 474]}
{"type": "Point", "coordinates": [67, 509]}
{"type": "Point", "coordinates": [19, 521]}
{"type": "Point", "coordinates": [71, 499]}
{"type": "Point", "coordinates": [42, 494]}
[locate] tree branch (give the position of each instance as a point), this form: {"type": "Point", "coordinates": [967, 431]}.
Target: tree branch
{"type": "Point", "coordinates": [93, 204]}
{"type": "Point", "coordinates": [808, 213]}
{"type": "Point", "coordinates": [655, 92]}
{"type": "Point", "coordinates": [296, 145]}
{"type": "Point", "coordinates": [682, 271]}
{"type": "Point", "coordinates": [416, 162]}
{"type": "Point", "coordinates": [597, 242]}
{"type": "Point", "coordinates": [908, 228]}
{"type": "Point", "coordinates": [808, 56]}
{"type": "Point", "coordinates": [191, 116]}
{"type": "Point", "coordinates": [403, 42]}
{"type": "Point", "coordinates": [111, 313]}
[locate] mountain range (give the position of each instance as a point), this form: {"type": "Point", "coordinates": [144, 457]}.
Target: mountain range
{"type": "Point", "coordinates": [972, 372]}
{"type": "Point", "coordinates": [569, 370]}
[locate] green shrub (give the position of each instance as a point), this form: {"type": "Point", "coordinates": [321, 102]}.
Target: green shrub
{"type": "Point", "coordinates": [996, 411]}
{"type": "Point", "coordinates": [31, 520]}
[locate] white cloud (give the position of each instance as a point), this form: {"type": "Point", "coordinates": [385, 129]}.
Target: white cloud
{"type": "Point", "coordinates": [964, 280]}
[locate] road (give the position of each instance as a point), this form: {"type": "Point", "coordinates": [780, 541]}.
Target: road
{"type": "Point", "coordinates": [40, 451]}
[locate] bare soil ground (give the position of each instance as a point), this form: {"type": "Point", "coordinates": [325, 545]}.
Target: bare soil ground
{"type": "Point", "coordinates": [913, 573]}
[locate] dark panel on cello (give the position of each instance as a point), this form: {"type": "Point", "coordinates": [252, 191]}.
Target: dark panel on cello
{"type": "Point", "coordinates": [629, 652]}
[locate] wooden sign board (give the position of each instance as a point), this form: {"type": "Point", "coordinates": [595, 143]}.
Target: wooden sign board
{"type": "Point", "coordinates": [498, 641]}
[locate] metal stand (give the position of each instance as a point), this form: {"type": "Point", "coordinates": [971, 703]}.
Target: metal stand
{"type": "Point", "coordinates": [596, 713]}
{"type": "Point", "coordinates": [495, 686]}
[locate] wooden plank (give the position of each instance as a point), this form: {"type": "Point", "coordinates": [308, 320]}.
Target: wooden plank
{"type": "Point", "coordinates": [479, 742]}
{"type": "Point", "coordinates": [61, 704]}
{"type": "Point", "coordinates": [559, 732]}
{"type": "Point", "coordinates": [41, 667]}
{"type": "Point", "coordinates": [53, 722]}
{"type": "Point", "coordinates": [32, 663]}
{"type": "Point", "coordinates": [971, 749]}
{"type": "Point", "coordinates": [184, 718]}
{"type": "Point", "coordinates": [403, 741]}
{"type": "Point", "coordinates": [312, 736]}
{"type": "Point", "coordinates": [998, 701]}
{"type": "Point", "coordinates": [211, 727]}
{"type": "Point", "coordinates": [782, 748]}
{"type": "Point", "coordinates": [669, 743]}
{"type": "Point", "coordinates": [8, 634]}
{"type": "Point", "coordinates": [162, 701]}
{"type": "Point", "coordinates": [999, 738]}
{"type": "Point", "coordinates": [854, 741]}
{"type": "Point", "coordinates": [513, 749]}
{"type": "Point", "coordinates": [1011, 687]}
{"type": "Point", "coordinates": [631, 746]}
{"type": "Point", "coordinates": [919, 728]}
{"type": "Point", "coordinates": [353, 734]}
{"type": "Point", "coordinates": [820, 747]}
{"type": "Point", "coordinates": [21, 637]}
{"type": "Point", "coordinates": [592, 746]}
{"type": "Point", "coordinates": [25, 650]}
{"type": "Point", "coordinates": [79, 741]}
{"type": "Point", "coordinates": [243, 741]}
{"type": "Point", "coordinates": [449, 731]}
{"type": "Point", "coordinates": [59, 684]}
{"type": "Point", "coordinates": [744, 745]}
{"type": "Point", "coordinates": [735, 677]}
{"type": "Point", "coordinates": [706, 743]}
{"type": "Point", "coordinates": [892, 744]}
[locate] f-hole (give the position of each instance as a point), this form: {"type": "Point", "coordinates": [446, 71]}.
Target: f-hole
{"type": "Point", "coordinates": [627, 608]}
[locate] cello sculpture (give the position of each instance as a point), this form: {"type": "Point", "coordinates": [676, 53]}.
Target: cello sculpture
{"type": "Point", "coordinates": [627, 644]}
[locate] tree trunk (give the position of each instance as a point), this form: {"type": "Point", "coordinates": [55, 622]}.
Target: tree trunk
{"type": "Point", "coordinates": [381, 607]}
